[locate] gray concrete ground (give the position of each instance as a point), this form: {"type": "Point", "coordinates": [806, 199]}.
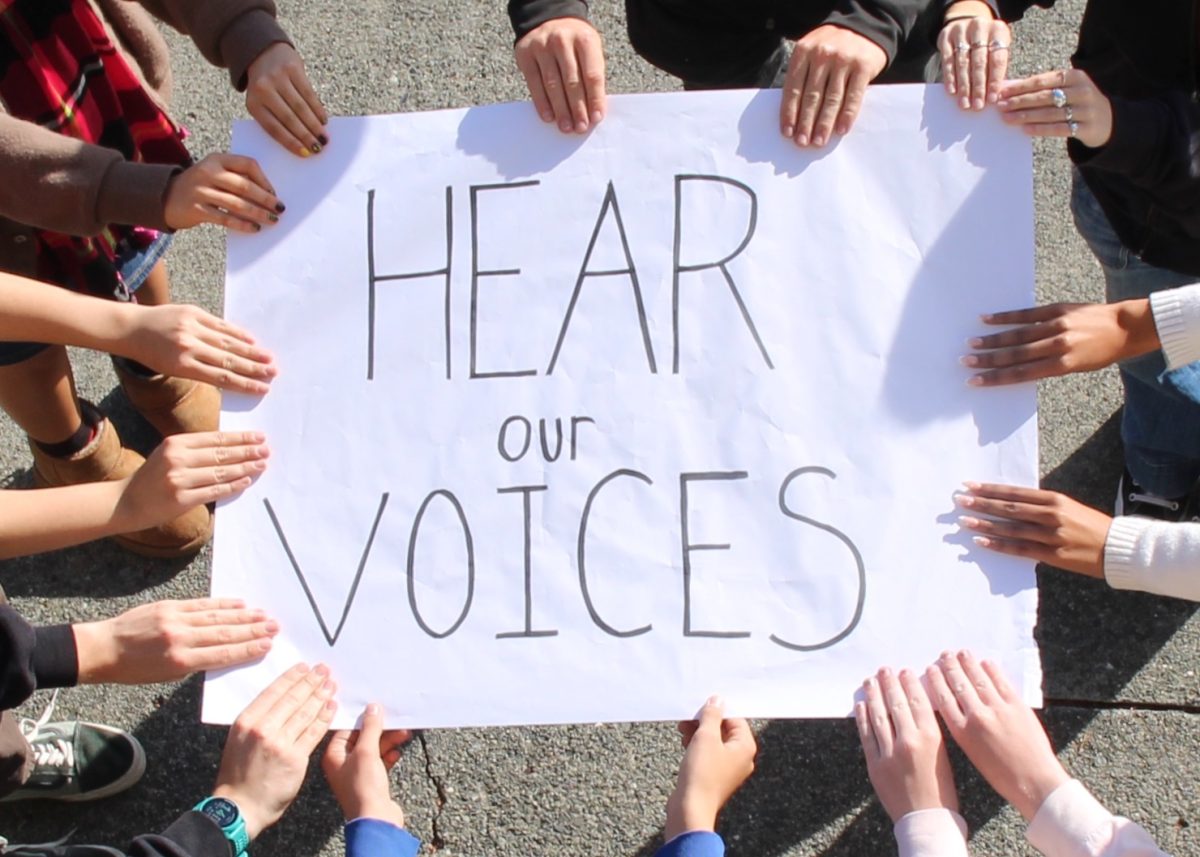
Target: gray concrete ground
{"type": "Point", "coordinates": [1120, 669]}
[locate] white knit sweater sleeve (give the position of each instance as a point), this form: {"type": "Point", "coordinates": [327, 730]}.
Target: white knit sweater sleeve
{"type": "Point", "coordinates": [1177, 317]}
{"type": "Point", "coordinates": [1072, 823]}
{"type": "Point", "coordinates": [1153, 556]}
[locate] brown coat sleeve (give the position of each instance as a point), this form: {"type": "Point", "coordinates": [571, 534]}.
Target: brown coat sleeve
{"type": "Point", "coordinates": [55, 182]}
{"type": "Point", "coordinates": [229, 33]}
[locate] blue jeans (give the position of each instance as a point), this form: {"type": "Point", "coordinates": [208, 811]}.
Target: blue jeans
{"type": "Point", "coordinates": [1160, 426]}
{"type": "Point", "coordinates": [135, 268]}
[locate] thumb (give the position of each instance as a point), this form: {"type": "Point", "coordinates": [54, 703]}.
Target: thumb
{"type": "Point", "coordinates": [372, 727]}
{"type": "Point", "coordinates": [336, 751]}
{"type": "Point", "coordinates": [711, 716]}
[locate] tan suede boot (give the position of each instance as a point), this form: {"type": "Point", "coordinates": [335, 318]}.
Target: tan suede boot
{"type": "Point", "coordinates": [106, 460]}
{"type": "Point", "coordinates": [171, 405]}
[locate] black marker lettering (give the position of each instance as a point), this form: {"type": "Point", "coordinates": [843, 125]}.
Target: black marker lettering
{"type": "Point", "coordinates": [545, 441]}
{"type": "Point", "coordinates": [581, 552]}
{"type": "Point", "coordinates": [688, 548]}
{"type": "Point", "coordinates": [373, 279]}
{"type": "Point", "coordinates": [862, 571]}
{"type": "Point", "coordinates": [477, 275]}
{"type": "Point", "coordinates": [721, 264]}
{"type": "Point", "coordinates": [610, 201]}
{"type": "Point", "coordinates": [330, 638]}
{"type": "Point", "coordinates": [412, 561]}
{"type": "Point", "coordinates": [575, 423]}
{"type": "Point", "coordinates": [526, 491]}
{"type": "Point", "coordinates": [502, 440]}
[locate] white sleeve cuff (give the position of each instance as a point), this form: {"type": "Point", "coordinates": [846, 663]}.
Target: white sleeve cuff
{"type": "Point", "coordinates": [1177, 317]}
{"type": "Point", "coordinates": [1124, 568]}
{"type": "Point", "coordinates": [1159, 557]}
{"type": "Point", "coordinates": [932, 833]}
{"type": "Point", "coordinates": [1072, 823]}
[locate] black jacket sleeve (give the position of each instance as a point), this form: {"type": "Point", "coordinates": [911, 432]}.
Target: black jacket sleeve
{"type": "Point", "coordinates": [888, 23]}
{"type": "Point", "coordinates": [527, 15]}
{"type": "Point", "coordinates": [33, 658]}
{"type": "Point", "coordinates": [192, 835]}
{"type": "Point", "coordinates": [1155, 144]}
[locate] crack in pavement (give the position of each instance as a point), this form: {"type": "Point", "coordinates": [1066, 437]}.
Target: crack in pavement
{"type": "Point", "coordinates": [437, 842]}
{"type": "Point", "coordinates": [1102, 705]}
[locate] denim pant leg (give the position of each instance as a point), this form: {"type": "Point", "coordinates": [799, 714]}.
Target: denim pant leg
{"type": "Point", "coordinates": [1160, 426]}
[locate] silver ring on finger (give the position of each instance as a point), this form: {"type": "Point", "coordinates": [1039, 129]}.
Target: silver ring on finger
{"type": "Point", "coordinates": [962, 47]}
{"type": "Point", "coordinates": [1058, 97]}
{"type": "Point", "coordinates": [977, 45]}
{"type": "Point", "coordinates": [1073, 128]}
{"type": "Point", "coordinates": [997, 45]}
{"type": "Point", "coordinates": [1067, 114]}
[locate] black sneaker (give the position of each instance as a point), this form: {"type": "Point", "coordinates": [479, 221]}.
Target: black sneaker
{"type": "Point", "coordinates": [77, 761]}
{"type": "Point", "coordinates": [1135, 501]}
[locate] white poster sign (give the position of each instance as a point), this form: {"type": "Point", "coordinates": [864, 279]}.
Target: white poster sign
{"type": "Point", "coordinates": [575, 429]}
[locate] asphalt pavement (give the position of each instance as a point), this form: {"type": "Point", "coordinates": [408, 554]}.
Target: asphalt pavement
{"type": "Point", "coordinates": [1121, 681]}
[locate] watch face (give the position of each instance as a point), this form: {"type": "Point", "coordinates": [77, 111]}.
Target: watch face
{"type": "Point", "coordinates": [223, 812]}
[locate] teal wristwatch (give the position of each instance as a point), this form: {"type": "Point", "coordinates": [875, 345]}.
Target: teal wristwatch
{"type": "Point", "coordinates": [226, 815]}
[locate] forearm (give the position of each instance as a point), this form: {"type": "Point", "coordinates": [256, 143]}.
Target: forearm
{"type": "Point", "coordinates": [47, 519]}
{"type": "Point", "coordinates": [55, 182]}
{"type": "Point", "coordinates": [39, 312]}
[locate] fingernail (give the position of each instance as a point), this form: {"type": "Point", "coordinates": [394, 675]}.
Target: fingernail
{"type": "Point", "coordinates": [964, 102]}
{"type": "Point", "coordinates": [978, 103]}
{"type": "Point", "coordinates": [977, 341]}
{"type": "Point", "coordinates": [373, 709]}
{"type": "Point", "coordinates": [264, 645]}
{"type": "Point", "coordinates": [788, 130]}
{"type": "Point", "coordinates": [274, 218]}
{"type": "Point", "coordinates": [964, 500]}
{"type": "Point", "coordinates": [323, 140]}
{"type": "Point", "coordinates": [315, 148]}
{"type": "Point", "coordinates": [547, 117]}
{"type": "Point", "coordinates": [966, 654]}
{"type": "Point", "coordinates": [272, 627]}
{"type": "Point", "coordinates": [975, 381]}
{"type": "Point", "coordinates": [968, 522]}
{"type": "Point", "coordinates": [331, 706]}
{"type": "Point", "coordinates": [564, 125]}
{"type": "Point", "coordinates": [905, 673]}
{"type": "Point", "coordinates": [257, 227]}
{"type": "Point", "coordinates": [982, 541]}
{"type": "Point", "coordinates": [304, 153]}
{"type": "Point", "coordinates": [581, 126]}
{"type": "Point", "coordinates": [802, 140]}
{"type": "Point", "coordinates": [969, 360]}
{"type": "Point", "coordinates": [1002, 104]}
{"type": "Point", "coordinates": [597, 115]}
{"type": "Point", "coordinates": [819, 140]}
{"type": "Point", "coordinates": [886, 672]}
{"type": "Point", "coordinates": [280, 207]}
{"type": "Point", "coordinates": [715, 700]}
{"type": "Point", "coordinates": [947, 655]}
{"type": "Point", "coordinates": [949, 87]}
{"type": "Point", "coordinates": [321, 669]}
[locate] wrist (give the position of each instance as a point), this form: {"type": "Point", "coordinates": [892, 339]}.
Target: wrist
{"type": "Point", "coordinates": [96, 652]}
{"type": "Point", "coordinates": [1034, 791]}
{"type": "Point", "coordinates": [968, 9]}
{"type": "Point", "coordinates": [255, 823]}
{"type": "Point", "coordinates": [1135, 318]}
{"type": "Point", "coordinates": [687, 814]}
{"type": "Point", "coordinates": [383, 810]}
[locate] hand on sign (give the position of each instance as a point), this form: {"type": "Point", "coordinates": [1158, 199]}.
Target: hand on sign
{"type": "Point", "coordinates": [1059, 339]}
{"type": "Point", "coordinates": [356, 765]}
{"type": "Point", "coordinates": [228, 190]}
{"type": "Point", "coordinates": [184, 341]}
{"type": "Point", "coordinates": [280, 97]}
{"type": "Point", "coordinates": [719, 757]}
{"type": "Point", "coordinates": [563, 64]}
{"type": "Point", "coordinates": [975, 51]}
{"type": "Point", "coordinates": [266, 754]}
{"type": "Point", "coordinates": [826, 80]}
{"type": "Point", "coordinates": [186, 471]}
{"type": "Point", "coordinates": [999, 733]}
{"type": "Point", "coordinates": [1040, 525]}
{"type": "Point", "coordinates": [169, 640]}
{"type": "Point", "coordinates": [902, 742]}
{"type": "Point", "coordinates": [1058, 104]}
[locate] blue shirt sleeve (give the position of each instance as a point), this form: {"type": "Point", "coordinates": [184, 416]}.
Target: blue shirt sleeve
{"type": "Point", "coordinates": [370, 837]}
{"type": "Point", "coordinates": [695, 844]}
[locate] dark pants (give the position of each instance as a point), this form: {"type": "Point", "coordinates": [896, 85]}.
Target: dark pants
{"type": "Point", "coordinates": [15, 760]}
